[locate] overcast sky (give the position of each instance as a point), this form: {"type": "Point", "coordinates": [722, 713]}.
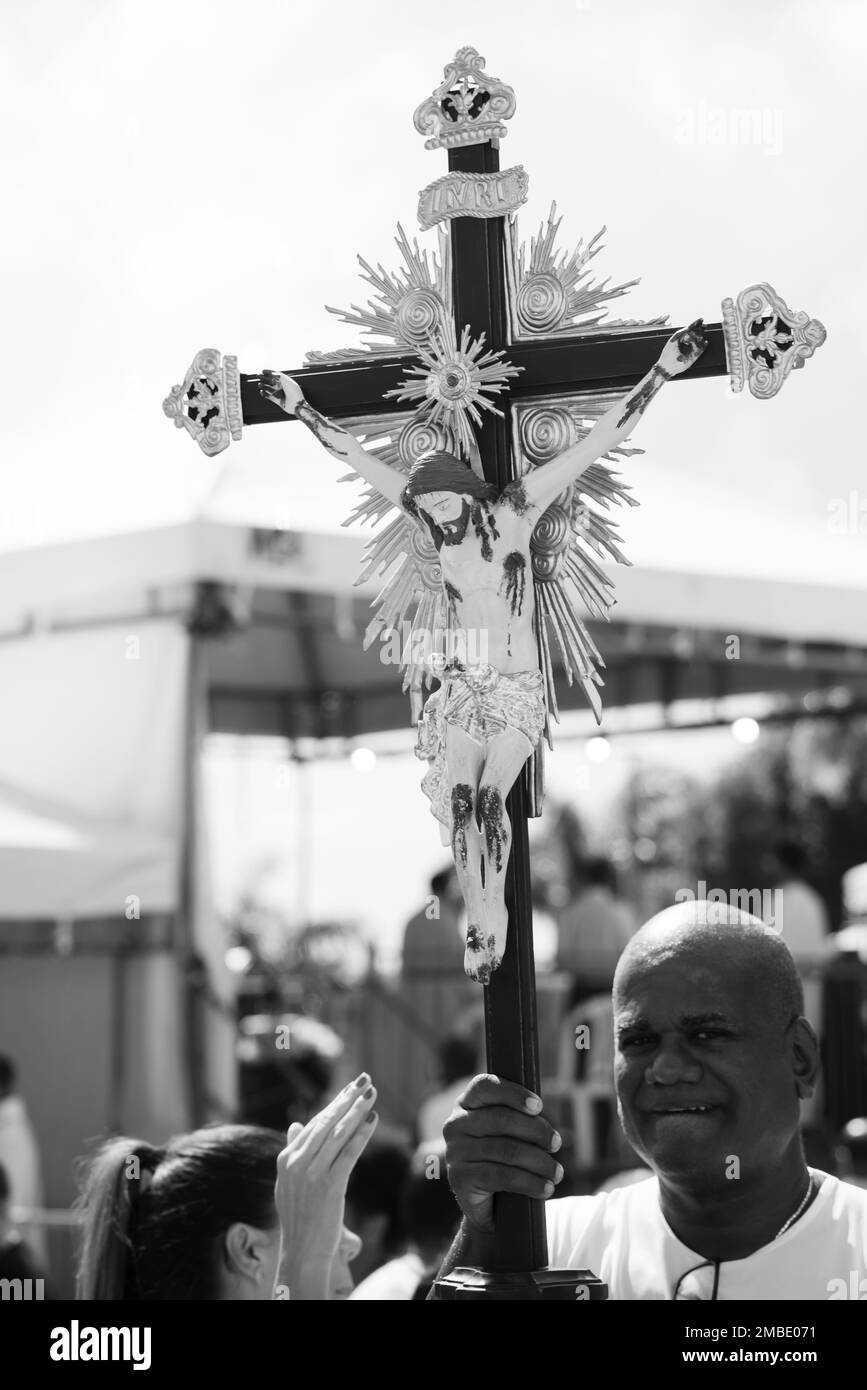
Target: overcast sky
{"type": "Point", "coordinates": [190, 174]}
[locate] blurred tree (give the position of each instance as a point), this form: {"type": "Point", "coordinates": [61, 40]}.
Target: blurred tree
{"type": "Point", "coordinates": [662, 812]}
{"type": "Point", "coordinates": [806, 783]}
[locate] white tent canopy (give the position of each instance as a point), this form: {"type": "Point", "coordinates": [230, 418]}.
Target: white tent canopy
{"type": "Point", "coordinates": [93, 661]}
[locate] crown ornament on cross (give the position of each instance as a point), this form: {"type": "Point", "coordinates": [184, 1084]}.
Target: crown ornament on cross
{"type": "Point", "coordinates": [468, 108]}
{"type": "Point", "coordinates": [766, 340]}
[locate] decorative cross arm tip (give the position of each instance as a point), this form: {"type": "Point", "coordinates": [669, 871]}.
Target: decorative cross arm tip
{"type": "Point", "coordinates": [208, 402]}
{"type": "Point", "coordinates": [766, 340]}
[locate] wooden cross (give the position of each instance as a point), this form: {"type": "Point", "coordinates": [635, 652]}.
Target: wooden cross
{"type": "Point", "coordinates": [759, 342]}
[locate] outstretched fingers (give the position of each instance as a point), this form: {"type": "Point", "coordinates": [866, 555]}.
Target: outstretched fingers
{"type": "Point", "coordinates": [692, 341]}
{"type": "Point", "coordinates": [270, 386]}
{"type": "Point", "coordinates": [323, 1130]}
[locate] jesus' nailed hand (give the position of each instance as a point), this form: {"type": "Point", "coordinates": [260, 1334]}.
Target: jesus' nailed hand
{"type": "Point", "coordinates": [480, 726]}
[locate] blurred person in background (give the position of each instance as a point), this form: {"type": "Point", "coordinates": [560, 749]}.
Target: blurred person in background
{"type": "Point", "coordinates": [803, 918]}
{"type": "Point", "coordinates": [434, 939]}
{"type": "Point", "coordinates": [373, 1204]}
{"type": "Point", "coordinates": [595, 928]}
{"type": "Point", "coordinates": [851, 1151]}
{"type": "Point", "coordinates": [433, 989]}
{"type": "Point", "coordinates": [19, 1154]}
{"type": "Point", "coordinates": [431, 1217]}
{"type": "Point", "coordinates": [460, 1060]}
{"type": "Point", "coordinates": [852, 936]}
{"type": "Point", "coordinates": [228, 1212]}
{"type": "Point", "coordinates": [17, 1260]}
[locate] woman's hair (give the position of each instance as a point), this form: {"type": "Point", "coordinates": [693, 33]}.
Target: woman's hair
{"type": "Point", "coordinates": [153, 1219]}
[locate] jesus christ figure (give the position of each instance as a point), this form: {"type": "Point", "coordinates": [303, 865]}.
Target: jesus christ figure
{"type": "Point", "coordinates": [481, 725]}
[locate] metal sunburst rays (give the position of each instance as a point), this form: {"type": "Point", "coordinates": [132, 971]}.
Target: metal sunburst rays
{"type": "Point", "coordinates": [407, 307]}
{"type": "Point", "coordinates": [572, 540]}
{"type": "Point", "coordinates": [454, 383]}
{"type": "Point", "coordinates": [411, 313]}
{"type": "Point", "coordinates": [553, 294]}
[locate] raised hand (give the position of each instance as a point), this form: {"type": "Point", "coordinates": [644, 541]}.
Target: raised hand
{"type": "Point", "coordinates": [312, 1173]}
{"type": "Point", "coordinates": [683, 349]}
{"type": "Point", "coordinates": [497, 1141]}
{"type": "Point", "coordinates": [282, 390]}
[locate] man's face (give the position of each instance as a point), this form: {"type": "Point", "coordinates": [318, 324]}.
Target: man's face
{"type": "Point", "coordinates": [442, 506]}
{"type": "Point", "coordinates": [703, 1069]}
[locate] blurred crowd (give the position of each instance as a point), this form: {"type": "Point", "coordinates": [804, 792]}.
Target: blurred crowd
{"type": "Point", "coordinates": [346, 1203]}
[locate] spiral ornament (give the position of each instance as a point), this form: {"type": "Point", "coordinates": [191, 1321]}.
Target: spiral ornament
{"type": "Point", "coordinates": [541, 303]}
{"type": "Point", "coordinates": [419, 315]}
{"type": "Point", "coordinates": [545, 431]}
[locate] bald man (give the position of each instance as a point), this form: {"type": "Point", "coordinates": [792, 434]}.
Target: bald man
{"type": "Point", "coordinates": [712, 1059]}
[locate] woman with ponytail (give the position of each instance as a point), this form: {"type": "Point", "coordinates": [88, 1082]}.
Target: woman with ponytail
{"type": "Point", "coordinates": [226, 1212]}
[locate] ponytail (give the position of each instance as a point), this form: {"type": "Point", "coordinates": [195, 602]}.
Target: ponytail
{"type": "Point", "coordinates": [107, 1209]}
{"type": "Point", "coordinates": [154, 1220]}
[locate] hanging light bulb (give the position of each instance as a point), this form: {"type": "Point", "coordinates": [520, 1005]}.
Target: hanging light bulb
{"type": "Point", "coordinates": [598, 750]}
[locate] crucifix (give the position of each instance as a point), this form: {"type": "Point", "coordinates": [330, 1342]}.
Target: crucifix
{"type": "Point", "coordinates": [484, 421]}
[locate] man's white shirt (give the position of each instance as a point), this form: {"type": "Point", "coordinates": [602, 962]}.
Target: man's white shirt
{"type": "Point", "coordinates": [623, 1238]}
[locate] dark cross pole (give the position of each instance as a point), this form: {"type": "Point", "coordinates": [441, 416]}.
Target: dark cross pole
{"type": "Point", "coordinates": [479, 293]}
{"type": "Point", "coordinates": [565, 366]}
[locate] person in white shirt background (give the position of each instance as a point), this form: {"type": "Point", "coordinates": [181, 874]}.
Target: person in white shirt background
{"type": "Point", "coordinates": [430, 1218]}
{"type": "Point", "coordinates": [459, 1059]}
{"type": "Point", "coordinates": [19, 1154]}
{"type": "Point", "coordinates": [594, 930]}
{"type": "Point", "coordinates": [713, 1058]}
{"type": "Point", "coordinates": [801, 916]}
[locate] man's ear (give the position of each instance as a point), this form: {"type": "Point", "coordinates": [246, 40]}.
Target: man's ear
{"type": "Point", "coordinates": [804, 1054]}
{"type": "Point", "coordinates": [243, 1250]}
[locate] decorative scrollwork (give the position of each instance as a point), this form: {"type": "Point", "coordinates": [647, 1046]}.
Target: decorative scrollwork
{"type": "Point", "coordinates": [422, 437]}
{"type": "Point", "coordinates": [208, 402]}
{"type": "Point", "coordinates": [766, 340]}
{"type": "Point", "coordinates": [419, 315]}
{"type": "Point", "coordinates": [545, 431]}
{"type": "Point", "coordinates": [541, 303]}
{"type": "Point", "coordinates": [552, 536]}
{"type": "Point", "coordinates": [427, 560]}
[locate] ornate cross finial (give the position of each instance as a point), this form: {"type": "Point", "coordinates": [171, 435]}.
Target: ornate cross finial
{"type": "Point", "coordinates": [208, 402]}
{"type": "Point", "coordinates": [766, 340]}
{"type": "Point", "coordinates": [468, 108]}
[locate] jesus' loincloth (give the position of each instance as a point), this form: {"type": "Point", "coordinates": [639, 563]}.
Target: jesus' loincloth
{"type": "Point", "coordinates": [483, 702]}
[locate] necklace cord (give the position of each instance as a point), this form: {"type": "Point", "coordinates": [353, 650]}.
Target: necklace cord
{"type": "Point", "coordinates": [717, 1264]}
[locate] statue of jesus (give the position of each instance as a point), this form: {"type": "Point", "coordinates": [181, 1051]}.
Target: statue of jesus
{"type": "Point", "coordinates": [481, 725]}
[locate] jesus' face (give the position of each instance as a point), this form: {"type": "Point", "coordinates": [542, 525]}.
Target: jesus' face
{"type": "Point", "coordinates": [442, 507]}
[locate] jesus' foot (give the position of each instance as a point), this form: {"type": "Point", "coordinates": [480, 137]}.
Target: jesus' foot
{"type": "Point", "coordinates": [486, 947]}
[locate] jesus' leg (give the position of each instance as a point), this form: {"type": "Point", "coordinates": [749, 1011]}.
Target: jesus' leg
{"type": "Point", "coordinates": [464, 757]}
{"type": "Point", "coordinates": [505, 756]}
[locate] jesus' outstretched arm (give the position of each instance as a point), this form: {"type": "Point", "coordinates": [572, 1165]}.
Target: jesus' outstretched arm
{"type": "Point", "coordinates": [541, 485]}
{"type": "Point", "coordinates": [285, 392]}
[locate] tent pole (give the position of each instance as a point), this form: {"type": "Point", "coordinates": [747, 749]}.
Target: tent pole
{"type": "Point", "coordinates": [187, 954]}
